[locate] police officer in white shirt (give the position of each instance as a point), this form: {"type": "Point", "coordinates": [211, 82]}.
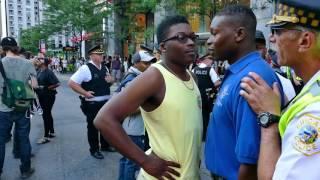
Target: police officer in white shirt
{"type": "Point", "coordinates": [92, 81]}
{"type": "Point", "coordinates": [290, 144]}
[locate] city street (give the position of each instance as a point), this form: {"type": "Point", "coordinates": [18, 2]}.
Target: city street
{"type": "Point", "coordinates": [67, 156]}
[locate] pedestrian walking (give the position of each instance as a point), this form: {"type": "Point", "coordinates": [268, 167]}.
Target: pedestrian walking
{"type": "Point", "coordinates": [233, 136]}
{"type": "Point", "coordinates": [48, 82]}
{"type": "Point", "coordinates": [290, 144]}
{"type": "Point", "coordinates": [21, 70]}
{"type": "Point", "coordinates": [92, 81]}
{"type": "Point", "coordinates": [116, 68]}
{"type": "Point", "coordinates": [170, 104]}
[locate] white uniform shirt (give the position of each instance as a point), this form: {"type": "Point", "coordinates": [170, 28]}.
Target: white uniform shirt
{"type": "Point", "coordinates": [299, 159]}
{"type": "Point", "coordinates": [83, 74]}
{"type": "Point", "coordinates": [288, 88]}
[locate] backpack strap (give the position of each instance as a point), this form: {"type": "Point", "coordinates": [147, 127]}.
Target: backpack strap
{"type": "Point", "coordinates": [2, 72]}
{"type": "Point", "coordinates": [127, 78]}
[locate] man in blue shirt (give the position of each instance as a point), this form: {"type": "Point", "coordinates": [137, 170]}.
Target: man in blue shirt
{"type": "Point", "coordinates": [233, 138]}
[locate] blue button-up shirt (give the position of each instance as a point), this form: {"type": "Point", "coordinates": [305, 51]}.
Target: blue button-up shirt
{"type": "Point", "coordinates": [233, 136]}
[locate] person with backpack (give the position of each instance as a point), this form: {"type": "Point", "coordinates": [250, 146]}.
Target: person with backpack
{"type": "Point", "coordinates": [17, 74]}
{"type": "Point", "coordinates": [133, 124]}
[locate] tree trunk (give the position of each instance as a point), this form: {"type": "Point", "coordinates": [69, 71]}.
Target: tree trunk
{"type": "Point", "coordinates": [118, 18]}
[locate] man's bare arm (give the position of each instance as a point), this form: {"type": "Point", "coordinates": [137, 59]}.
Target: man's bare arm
{"type": "Point", "coordinates": [269, 152]}
{"type": "Point", "coordinates": [247, 172]}
{"type": "Point", "coordinates": [270, 102]}
{"type": "Point", "coordinates": [109, 119]}
{"type": "Point", "coordinates": [77, 88]}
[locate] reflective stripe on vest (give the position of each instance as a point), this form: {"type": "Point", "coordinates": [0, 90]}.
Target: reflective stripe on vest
{"type": "Point", "coordinates": [288, 72]}
{"type": "Point", "coordinates": [307, 96]}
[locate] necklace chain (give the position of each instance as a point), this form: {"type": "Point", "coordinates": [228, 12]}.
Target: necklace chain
{"type": "Point", "coordinates": [183, 82]}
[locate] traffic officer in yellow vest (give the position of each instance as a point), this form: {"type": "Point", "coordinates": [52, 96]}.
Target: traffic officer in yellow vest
{"type": "Point", "coordinates": [295, 154]}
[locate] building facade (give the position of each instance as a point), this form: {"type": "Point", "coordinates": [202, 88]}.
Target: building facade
{"type": "Point", "coordinates": [22, 14]}
{"type": "Point", "coordinates": [3, 21]}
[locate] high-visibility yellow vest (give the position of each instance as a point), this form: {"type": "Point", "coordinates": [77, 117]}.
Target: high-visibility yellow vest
{"type": "Point", "coordinates": [309, 94]}
{"type": "Point", "coordinates": [289, 74]}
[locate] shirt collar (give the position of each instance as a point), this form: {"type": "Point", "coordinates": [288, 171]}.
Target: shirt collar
{"type": "Point", "coordinates": [132, 69]}
{"type": "Point", "coordinates": [313, 79]}
{"type": "Point", "coordinates": [244, 61]}
{"type": "Point", "coordinates": [202, 65]}
{"type": "Point", "coordinates": [94, 64]}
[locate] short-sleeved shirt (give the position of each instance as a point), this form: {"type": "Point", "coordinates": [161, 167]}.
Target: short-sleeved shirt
{"type": "Point", "coordinates": [233, 136]}
{"type": "Point", "coordinates": [300, 153]}
{"type": "Point", "coordinates": [83, 74]}
{"type": "Point", "coordinates": [46, 78]}
{"type": "Point", "coordinates": [15, 68]}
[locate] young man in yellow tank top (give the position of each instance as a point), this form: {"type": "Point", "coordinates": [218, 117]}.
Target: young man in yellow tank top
{"type": "Point", "coordinates": [170, 104]}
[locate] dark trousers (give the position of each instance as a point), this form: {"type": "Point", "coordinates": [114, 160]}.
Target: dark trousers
{"type": "Point", "coordinates": [22, 130]}
{"type": "Point", "coordinates": [206, 118]}
{"type": "Point", "coordinates": [128, 169]}
{"type": "Point", "coordinates": [46, 102]}
{"type": "Point", "coordinates": [91, 109]}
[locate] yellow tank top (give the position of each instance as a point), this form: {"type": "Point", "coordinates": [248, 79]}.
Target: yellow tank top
{"type": "Point", "coordinates": [175, 127]}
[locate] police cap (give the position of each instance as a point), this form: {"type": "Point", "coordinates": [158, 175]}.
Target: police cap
{"type": "Point", "coordinates": [96, 50]}
{"type": "Point", "coordinates": [305, 13]}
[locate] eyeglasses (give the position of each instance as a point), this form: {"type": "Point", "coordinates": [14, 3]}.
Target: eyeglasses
{"type": "Point", "coordinates": [183, 38]}
{"type": "Point", "coordinates": [279, 31]}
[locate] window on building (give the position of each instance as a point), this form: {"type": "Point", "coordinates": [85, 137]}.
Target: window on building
{"type": "Point", "coordinates": [10, 11]}
{"type": "Point", "coordinates": [12, 33]}
{"type": "Point", "coordinates": [20, 18]}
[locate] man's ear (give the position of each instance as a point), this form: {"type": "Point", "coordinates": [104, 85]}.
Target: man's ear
{"type": "Point", "coordinates": [162, 47]}
{"type": "Point", "coordinates": [240, 34]}
{"type": "Point", "coordinates": [306, 41]}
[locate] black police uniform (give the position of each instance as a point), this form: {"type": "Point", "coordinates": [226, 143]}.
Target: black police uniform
{"type": "Point", "coordinates": [205, 85]}
{"type": "Point", "coordinates": [91, 108]}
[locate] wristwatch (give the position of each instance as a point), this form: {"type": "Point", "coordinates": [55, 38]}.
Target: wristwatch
{"type": "Point", "coordinates": [265, 119]}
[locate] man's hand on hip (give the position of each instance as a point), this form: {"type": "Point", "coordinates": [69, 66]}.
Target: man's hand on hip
{"type": "Point", "coordinates": [160, 168]}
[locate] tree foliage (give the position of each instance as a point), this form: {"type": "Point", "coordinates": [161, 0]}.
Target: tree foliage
{"type": "Point", "coordinates": [69, 17]}
{"type": "Point", "coordinates": [72, 17]}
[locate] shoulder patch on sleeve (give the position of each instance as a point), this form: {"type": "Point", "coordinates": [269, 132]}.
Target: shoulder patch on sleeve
{"type": "Point", "coordinates": [306, 138]}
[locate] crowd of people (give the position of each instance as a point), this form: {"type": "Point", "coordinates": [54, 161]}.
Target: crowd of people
{"type": "Point", "coordinates": [255, 109]}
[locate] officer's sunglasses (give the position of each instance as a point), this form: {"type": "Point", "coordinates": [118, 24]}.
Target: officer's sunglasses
{"type": "Point", "coordinates": [279, 30]}
{"type": "Point", "coordinates": [182, 38]}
